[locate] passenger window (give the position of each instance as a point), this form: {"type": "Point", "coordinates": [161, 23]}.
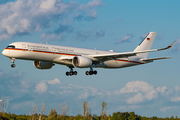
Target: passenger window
{"type": "Point", "coordinates": [11, 46]}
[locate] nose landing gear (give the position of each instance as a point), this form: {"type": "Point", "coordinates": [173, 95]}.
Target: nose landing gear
{"type": "Point", "coordinates": [12, 60]}
{"type": "Point", "coordinates": [71, 72]}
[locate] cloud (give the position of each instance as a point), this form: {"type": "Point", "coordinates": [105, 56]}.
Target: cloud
{"type": "Point", "coordinates": [55, 81]}
{"type": "Point", "coordinates": [143, 91]}
{"type": "Point", "coordinates": [23, 17]}
{"type": "Point", "coordinates": [91, 4]}
{"type": "Point", "coordinates": [168, 108]}
{"type": "Point", "coordinates": [51, 37]}
{"type": "Point", "coordinates": [41, 87]}
{"type": "Point", "coordinates": [63, 28]}
{"type": "Point", "coordinates": [176, 46]}
{"type": "Point", "coordinates": [175, 99]}
{"type": "Point", "coordinates": [83, 35]}
{"type": "Point", "coordinates": [100, 34]}
{"type": "Point", "coordinates": [135, 95]}
{"type": "Point", "coordinates": [125, 39]}
{"type": "Point", "coordinates": [4, 37]}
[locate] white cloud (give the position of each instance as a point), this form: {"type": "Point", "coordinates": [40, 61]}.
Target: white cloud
{"type": "Point", "coordinates": [41, 87]}
{"type": "Point", "coordinates": [91, 4]}
{"type": "Point", "coordinates": [4, 37]}
{"type": "Point", "coordinates": [177, 88]}
{"type": "Point", "coordinates": [168, 108]}
{"type": "Point", "coordinates": [125, 39]}
{"type": "Point", "coordinates": [143, 90]}
{"type": "Point", "coordinates": [51, 37]}
{"type": "Point", "coordinates": [137, 98]}
{"type": "Point", "coordinates": [175, 99]}
{"type": "Point", "coordinates": [26, 16]}
{"type": "Point", "coordinates": [47, 4]}
{"type": "Point", "coordinates": [136, 86]}
{"type": "Point", "coordinates": [55, 81]}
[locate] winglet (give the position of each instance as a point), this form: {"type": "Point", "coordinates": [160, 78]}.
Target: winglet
{"type": "Point", "coordinates": [167, 46]}
{"type": "Point", "coordinates": [172, 44]}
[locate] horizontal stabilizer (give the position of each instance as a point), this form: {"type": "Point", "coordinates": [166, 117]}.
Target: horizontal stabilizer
{"type": "Point", "coordinates": [151, 59]}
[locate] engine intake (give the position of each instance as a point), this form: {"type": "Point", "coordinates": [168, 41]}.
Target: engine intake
{"type": "Point", "coordinates": [82, 62]}
{"type": "Point", "coordinates": [42, 65]}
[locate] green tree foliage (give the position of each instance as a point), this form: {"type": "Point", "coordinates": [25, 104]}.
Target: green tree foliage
{"type": "Point", "coordinates": [104, 111]}
{"type": "Point", "coordinates": [52, 115]}
{"type": "Point", "coordinates": [84, 107]}
{"type": "Point", "coordinates": [125, 116]}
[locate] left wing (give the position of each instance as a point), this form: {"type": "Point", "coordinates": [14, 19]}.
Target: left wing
{"type": "Point", "coordinates": [127, 54]}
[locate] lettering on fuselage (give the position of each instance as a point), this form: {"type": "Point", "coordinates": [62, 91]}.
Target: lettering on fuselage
{"type": "Point", "coordinates": [53, 50]}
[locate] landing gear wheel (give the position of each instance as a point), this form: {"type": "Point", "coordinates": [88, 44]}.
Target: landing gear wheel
{"type": "Point", "coordinates": [91, 72]}
{"type": "Point", "coordinates": [95, 72]}
{"type": "Point", "coordinates": [87, 72]}
{"type": "Point", "coordinates": [75, 72]}
{"type": "Point", "coordinates": [67, 73]}
{"type": "Point", "coordinates": [13, 65]}
{"type": "Point", "coordinates": [71, 72]}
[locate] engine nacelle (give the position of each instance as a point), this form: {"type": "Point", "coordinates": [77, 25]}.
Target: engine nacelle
{"type": "Point", "coordinates": [42, 65]}
{"type": "Point", "coordinates": [82, 62]}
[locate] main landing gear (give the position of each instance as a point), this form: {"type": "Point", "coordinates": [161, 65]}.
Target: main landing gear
{"type": "Point", "coordinates": [91, 72]}
{"type": "Point", "coordinates": [71, 72]}
{"type": "Point", "coordinates": [12, 60]}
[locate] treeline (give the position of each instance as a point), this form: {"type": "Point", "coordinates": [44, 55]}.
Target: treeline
{"type": "Point", "coordinates": [54, 116]}
{"type": "Point", "coordinates": [36, 114]}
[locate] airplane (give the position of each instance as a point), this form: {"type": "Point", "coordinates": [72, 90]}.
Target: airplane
{"type": "Point", "coordinates": [44, 56]}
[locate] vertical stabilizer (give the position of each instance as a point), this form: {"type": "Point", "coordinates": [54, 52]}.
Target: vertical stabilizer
{"type": "Point", "coordinates": [146, 44]}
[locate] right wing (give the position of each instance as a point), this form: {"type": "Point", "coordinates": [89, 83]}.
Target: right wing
{"type": "Point", "coordinates": [127, 54]}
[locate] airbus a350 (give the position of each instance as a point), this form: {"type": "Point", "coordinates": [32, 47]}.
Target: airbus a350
{"type": "Point", "coordinates": [44, 56]}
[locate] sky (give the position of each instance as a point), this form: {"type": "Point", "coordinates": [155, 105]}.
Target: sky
{"type": "Point", "coordinates": [149, 90]}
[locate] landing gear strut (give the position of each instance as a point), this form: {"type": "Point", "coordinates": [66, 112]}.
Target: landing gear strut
{"type": "Point", "coordinates": [91, 72]}
{"type": "Point", "coordinates": [12, 60]}
{"type": "Point", "coordinates": [71, 72]}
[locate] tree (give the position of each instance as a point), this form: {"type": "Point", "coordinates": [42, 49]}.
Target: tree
{"type": "Point", "coordinates": [59, 109]}
{"type": "Point", "coordinates": [104, 110]}
{"type": "Point", "coordinates": [84, 107]}
{"type": "Point", "coordinates": [0, 105]}
{"type": "Point", "coordinates": [52, 115]}
{"type": "Point", "coordinates": [39, 112]}
{"type": "Point", "coordinates": [4, 105]}
{"type": "Point", "coordinates": [64, 109]}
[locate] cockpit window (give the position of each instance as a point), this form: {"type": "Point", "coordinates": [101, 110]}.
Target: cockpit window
{"type": "Point", "coordinates": [11, 46]}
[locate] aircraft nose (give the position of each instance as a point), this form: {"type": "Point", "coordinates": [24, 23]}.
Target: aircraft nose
{"type": "Point", "coordinates": [4, 52]}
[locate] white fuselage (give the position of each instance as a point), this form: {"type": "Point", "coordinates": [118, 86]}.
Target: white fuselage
{"type": "Point", "coordinates": [63, 55]}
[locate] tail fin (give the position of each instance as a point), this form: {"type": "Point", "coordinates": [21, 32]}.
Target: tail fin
{"type": "Point", "coordinates": [146, 44]}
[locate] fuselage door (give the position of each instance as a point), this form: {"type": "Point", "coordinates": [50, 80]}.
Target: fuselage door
{"type": "Point", "coordinates": [23, 47]}
{"type": "Point", "coordinates": [53, 50]}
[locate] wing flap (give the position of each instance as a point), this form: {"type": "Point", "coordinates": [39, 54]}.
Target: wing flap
{"type": "Point", "coordinates": [152, 59]}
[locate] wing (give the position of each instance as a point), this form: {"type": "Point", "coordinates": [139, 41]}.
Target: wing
{"type": "Point", "coordinates": [127, 54]}
{"type": "Point", "coordinates": [152, 59]}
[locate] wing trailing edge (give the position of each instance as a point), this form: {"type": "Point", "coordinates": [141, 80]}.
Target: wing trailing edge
{"type": "Point", "coordinates": [146, 60]}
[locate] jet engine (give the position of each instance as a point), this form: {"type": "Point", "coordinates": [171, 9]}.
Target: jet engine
{"type": "Point", "coordinates": [82, 62]}
{"type": "Point", "coordinates": [42, 65]}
